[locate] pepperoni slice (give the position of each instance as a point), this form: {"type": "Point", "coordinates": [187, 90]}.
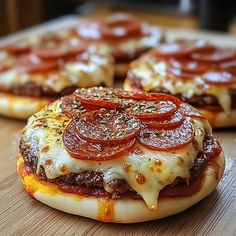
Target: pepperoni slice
{"type": "Point", "coordinates": [16, 48]}
{"type": "Point", "coordinates": [152, 109]}
{"type": "Point", "coordinates": [4, 67]}
{"type": "Point", "coordinates": [146, 96]}
{"type": "Point", "coordinates": [71, 107]}
{"type": "Point", "coordinates": [229, 66]}
{"type": "Point", "coordinates": [107, 127]}
{"type": "Point", "coordinates": [89, 30]}
{"type": "Point", "coordinates": [189, 66]}
{"type": "Point", "coordinates": [180, 74]}
{"type": "Point", "coordinates": [190, 111]}
{"type": "Point", "coordinates": [217, 56]}
{"type": "Point", "coordinates": [167, 139]}
{"type": "Point", "coordinates": [119, 26]}
{"type": "Point", "coordinates": [219, 78]}
{"type": "Point", "coordinates": [172, 122]}
{"type": "Point", "coordinates": [99, 96]}
{"type": "Point", "coordinates": [55, 50]}
{"type": "Point", "coordinates": [173, 50]}
{"type": "Point", "coordinates": [31, 63]}
{"type": "Point", "coordinates": [81, 149]}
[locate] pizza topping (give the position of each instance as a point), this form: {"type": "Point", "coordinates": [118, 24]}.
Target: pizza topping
{"type": "Point", "coordinates": [219, 78]}
{"type": "Point", "coordinates": [3, 66]}
{"type": "Point", "coordinates": [71, 107]}
{"type": "Point", "coordinates": [173, 50]}
{"type": "Point", "coordinates": [152, 109]}
{"type": "Point", "coordinates": [31, 64]}
{"type": "Point", "coordinates": [16, 48]}
{"type": "Point", "coordinates": [167, 139]}
{"type": "Point", "coordinates": [190, 111]}
{"type": "Point", "coordinates": [55, 49]}
{"type": "Point", "coordinates": [172, 122]}
{"type": "Point", "coordinates": [81, 149]}
{"type": "Point", "coordinates": [107, 127]}
{"type": "Point", "coordinates": [189, 66]}
{"type": "Point", "coordinates": [217, 56]}
{"type": "Point", "coordinates": [99, 96]}
{"type": "Point", "coordinates": [229, 66]}
{"type": "Point", "coordinates": [120, 25]}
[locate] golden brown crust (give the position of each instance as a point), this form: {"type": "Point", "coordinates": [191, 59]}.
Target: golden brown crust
{"type": "Point", "coordinates": [119, 211]}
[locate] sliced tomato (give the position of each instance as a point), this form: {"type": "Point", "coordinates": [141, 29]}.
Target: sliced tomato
{"type": "Point", "coordinates": [99, 96]}
{"type": "Point", "coordinates": [31, 64]}
{"type": "Point", "coordinates": [217, 56]}
{"type": "Point", "coordinates": [219, 78]}
{"type": "Point", "coordinates": [152, 109]}
{"type": "Point", "coordinates": [107, 127]}
{"type": "Point", "coordinates": [119, 26]}
{"type": "Point", "coordinates": [174, 49]}
{"type": "Point", "coordinates": [229, 66]}
{"type": "Point", "coordinates": [190, 111]}
{"type": "Point", "coordinates": [81, 149]}
{"type": "Point", "coordinates": [189, 66]}
{"type": "Point", "coordinates": [172, 122]}
{"type": "Point", "coordinates": [167, 139]}
{"type": "Point", "coordinates": [71, 107]}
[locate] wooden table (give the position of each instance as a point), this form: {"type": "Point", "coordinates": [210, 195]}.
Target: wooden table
{"type": "Point", "coordinates": [19, 214]}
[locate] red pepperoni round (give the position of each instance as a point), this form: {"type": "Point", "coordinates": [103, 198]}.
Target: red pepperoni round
{"type": "Point", "coordinates": [146, 96]}
{"type": "Point", "coordinates": [229, 66]}
{"type": "Point", "coordinates": [190, 111]}
{"type": "Point", "coordinates": [189, 66]}
{"type": "Point", "coordinates": [107, 127]}
{"type": "Point", "coordinates": [89, 30]}
{"type": "Point", "coordinates": [152, 109]}
{"type": "Point", "coordinates": [16, 48]}
{"type": "Point", "coordinates": [4, 67]}
{"type": "Point", "coordinates": [31, 63]}
{"type": "Point", "coordinates": [167, 139]}
{"type": "Point", "coordinates": [173, 50]}
{"type": "Point", "coordinates": [81, 149]}
{"type": "Point", "coordinates": [99, 96]}
{"type": "Point", "coordinates": [217, 56]}
{"type": "Point", "coordinates": [55, 50]}
{"type": "Point", "coordinates": [174, 121]}
{"type": "Point", "coordinates": [180, 74]}
{"type": "Point", "coordinates": [71, 107]}
{"type": "Point", "coordinates": [119, 26]}
{"type": "Point", "coordinates": [219, 78]}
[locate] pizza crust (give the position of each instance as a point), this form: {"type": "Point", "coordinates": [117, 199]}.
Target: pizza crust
{"type": "Point", "coordinates": [21, 107]}
{"type": "Point", "coordinates": [216, 119]}
{"type": "Point", "coordinates": [119, 211]}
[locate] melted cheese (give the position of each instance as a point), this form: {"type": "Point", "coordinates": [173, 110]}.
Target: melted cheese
{"type": "Point", "coordinates": [93, 70]}
{"type": "Point", "coordinates": [130, 46]}
{"type": "Point", "coordinates": [146, 171]}
{"type": "Point", "coordinates": [152, 73]}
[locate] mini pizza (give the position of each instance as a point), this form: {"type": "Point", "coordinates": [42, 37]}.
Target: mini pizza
{"type": "Point", "coordinates": [36, 73]}
{"type": "Point", "coordinates": [122, 35]}
{"type": "Point", "coordinates": [118, 156]}
{"type": "Point", "coordinates": [196, 71]}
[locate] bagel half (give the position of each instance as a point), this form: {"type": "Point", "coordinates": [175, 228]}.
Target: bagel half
{"type": "Point", "coordinates": [21, 107]}
{"type": "Point", "coordinates": [118, 211]}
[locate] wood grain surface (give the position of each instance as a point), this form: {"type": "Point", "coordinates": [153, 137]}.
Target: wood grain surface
{"type": "Point", "coordinates": [21, 215]}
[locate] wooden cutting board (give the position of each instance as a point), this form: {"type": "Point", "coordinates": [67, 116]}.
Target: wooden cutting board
{"type": "Point", "coordinates": [21, 215]}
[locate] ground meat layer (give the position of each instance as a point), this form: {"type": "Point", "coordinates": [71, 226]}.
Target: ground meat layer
{"type": "Point", "coordinates": [91, 179]}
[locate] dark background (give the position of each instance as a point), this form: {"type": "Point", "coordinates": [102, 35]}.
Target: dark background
{"type": "Point", "coordinates": [204, 14]}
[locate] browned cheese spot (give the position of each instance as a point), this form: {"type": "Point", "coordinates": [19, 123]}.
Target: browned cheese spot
{"type": "Point", "coordinates": [127, 167]}
{"type": "Point", "coordinates": [140, 178]}
{"type": "Point", "coordinates": [45, 149]}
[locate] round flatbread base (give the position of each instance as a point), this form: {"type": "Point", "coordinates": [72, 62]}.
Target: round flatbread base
{"type": "Point", "coordinates": [21, 107]}
{"type": "Point", "coordinates": [117, 211]}
{"type": "Point", "coordinates": [216, 119]}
